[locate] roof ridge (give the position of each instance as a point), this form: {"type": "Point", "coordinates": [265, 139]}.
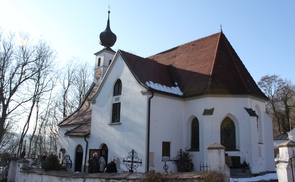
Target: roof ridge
{"type": "Point", "coordinates": [214, 61]}
{"type": "Point", "coordinates": [228, 46]}
{"type": "Point", "coordinates": [173, 48]}
{"type": "Point", "coordinates": [147, 58]}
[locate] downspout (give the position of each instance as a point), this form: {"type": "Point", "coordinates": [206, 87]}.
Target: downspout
{"type": "Point", "coordinates": [148, 131]}
{"type": "Point", "coordinates": [85, 153]}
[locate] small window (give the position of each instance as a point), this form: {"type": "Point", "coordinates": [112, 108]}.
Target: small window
{"type": "Point", "coordinates": [151, 158]}
{"type": "Point", "coordinates": [110, 61]}
{"type": "Point", "coordinates": [166, 149]}
{"type": "Point", "coordinates": [98, 62]}
{"type": "Point", "coordinates": [116, 112]}
{"type": "Point", "coordinates": [117, 88]}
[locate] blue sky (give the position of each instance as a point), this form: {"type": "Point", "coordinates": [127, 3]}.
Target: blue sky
{"type": "Point", "coordinates": [261, 31]}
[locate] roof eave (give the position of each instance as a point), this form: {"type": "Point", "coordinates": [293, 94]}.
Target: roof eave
{"type": "Point", "coordinates": [134, 75]}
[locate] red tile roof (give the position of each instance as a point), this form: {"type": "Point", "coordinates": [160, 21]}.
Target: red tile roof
{"type": "Point", "coordinates": [205, 66]}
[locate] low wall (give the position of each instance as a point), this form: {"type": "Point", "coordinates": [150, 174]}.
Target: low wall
{"type": "Point", "coordinates": [40, 175]}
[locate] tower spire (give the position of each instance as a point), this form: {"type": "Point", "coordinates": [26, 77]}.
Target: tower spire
{"type": "Point", "coordinates": [107, 37]}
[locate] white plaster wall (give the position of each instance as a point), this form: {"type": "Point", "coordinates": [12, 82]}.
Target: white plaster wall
{"type": "Point", "coordinates": [210, 125]}
{"type": "Point", "coordinates": [171, 122]}
{"type": "Point", "coordinates": [70, 144]}
{"type": "Point", "coordinates": [131, 132]}
{"type": "Point", "coordinates": [166, 126]}
{"type": "Point", "coordinates": [246, 128]}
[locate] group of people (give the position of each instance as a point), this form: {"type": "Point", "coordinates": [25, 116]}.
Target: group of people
{"type": "Point", "coordinates": [98, 165]}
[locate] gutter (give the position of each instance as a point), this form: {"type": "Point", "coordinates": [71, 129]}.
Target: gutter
{"type": "Point", "coordinates": [85, 152]}
{"type": "Point", "coordinates": [148, 131]}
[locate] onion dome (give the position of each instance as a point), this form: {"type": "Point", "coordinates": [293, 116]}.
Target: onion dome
{"type": "Point", "coordinates": [107, 37]}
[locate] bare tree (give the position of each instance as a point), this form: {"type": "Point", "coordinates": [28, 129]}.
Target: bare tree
{"type": "Point", "coordinates": [66, 80]}
{"type": "Point", "coordinates": [82, 82]}
{"type": "Point", "coordinates": [21, 67]}
{"type": "Point", "coordinates": [280, 107]}
{"type": "Point", "coordinates": [75, 82]}
{"type": "Point", "coordinates": [35, 96]}
{"type": "Point", "coordinates": [46, 129]}
{"type": "Point", "coordinates": [43, 86]}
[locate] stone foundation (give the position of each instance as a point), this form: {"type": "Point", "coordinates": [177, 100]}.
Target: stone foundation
{"type": "Point", "coordinates": [46, 176]}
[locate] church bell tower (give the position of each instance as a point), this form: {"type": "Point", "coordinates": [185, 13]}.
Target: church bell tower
{"type": "Point", "coordinates": [104, 57]}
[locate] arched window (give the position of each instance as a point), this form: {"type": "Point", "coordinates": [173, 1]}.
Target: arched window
{"type": "Point", "coordinates": [117, 88]}
{"type": "Point", "coordinates": [79, 158]}
{"type": "Point", "coordinates": [116, 102]}
{"type": "Point", "coordinates": [195, 135]}
{"type": "Point", "coordinates": [228, 134]}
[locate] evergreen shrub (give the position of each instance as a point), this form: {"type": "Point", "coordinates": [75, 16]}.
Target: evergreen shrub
{"type": "Point", "coordinates": [51, 163]}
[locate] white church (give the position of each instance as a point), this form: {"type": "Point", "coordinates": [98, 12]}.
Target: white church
{"type": "Point", "coordinates": [185, 98]}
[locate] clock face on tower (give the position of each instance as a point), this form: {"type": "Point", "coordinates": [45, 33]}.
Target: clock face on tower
{"type": "Point", "coordinates": [97, 74]}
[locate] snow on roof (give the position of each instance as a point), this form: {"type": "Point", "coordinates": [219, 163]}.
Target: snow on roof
{"type": "Point", "coordinates": [173, 90]}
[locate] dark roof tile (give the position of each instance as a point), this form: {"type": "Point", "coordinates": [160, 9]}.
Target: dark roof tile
{"type": "Point", "coordinates": [205, 66]}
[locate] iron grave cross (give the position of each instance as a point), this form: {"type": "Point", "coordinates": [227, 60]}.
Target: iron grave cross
{"type": "Point", "coordinates": [132, 161]}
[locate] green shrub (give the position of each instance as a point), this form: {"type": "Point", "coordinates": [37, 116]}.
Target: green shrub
{"type": "Point", "coordinates": [51, 163]}
{"type": "Point", "coordinates": [5, 159]}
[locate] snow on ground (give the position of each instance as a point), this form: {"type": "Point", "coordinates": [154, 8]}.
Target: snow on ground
{"type": "Point", "coordinates": [265, 177]}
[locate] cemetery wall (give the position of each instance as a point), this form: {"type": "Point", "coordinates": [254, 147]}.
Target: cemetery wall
{"type": "Point", "coordinates": [40, 175]}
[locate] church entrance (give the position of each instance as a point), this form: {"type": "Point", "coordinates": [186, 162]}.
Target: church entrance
{"type": "Point", "coordinates": [98, 159]}
{"type": "Point", "coordinates": [104, 151]}
{"type": "Point", "coordinates": [103, 159]}
{"type": "Point", "coordinates": [79, 158]}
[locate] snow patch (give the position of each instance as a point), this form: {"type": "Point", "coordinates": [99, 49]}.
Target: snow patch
{"type": "Point", "coordinates": [266, 177]}
{"type": "Point", "coordinates": [173, 90]}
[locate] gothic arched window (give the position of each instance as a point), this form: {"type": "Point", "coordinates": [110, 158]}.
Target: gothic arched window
{"type": "Point", "coordinates": [228, 134]}
{"type": "Point", "coordinates": [195, 135]}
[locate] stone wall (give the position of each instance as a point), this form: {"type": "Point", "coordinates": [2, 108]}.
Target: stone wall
{"type": "Point", "coordinates": [24, 173]}
{"type": "Point", "coordinates": [40, 175]}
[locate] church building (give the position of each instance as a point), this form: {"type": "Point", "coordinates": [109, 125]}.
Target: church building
{"type": "Point", "coordinates": [182, 99]}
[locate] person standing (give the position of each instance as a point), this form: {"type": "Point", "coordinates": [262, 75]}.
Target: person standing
{"type": "Point", "coordinates": [94, 164]}
{"type": "Point", "coordinates": [102, 164]}
{"type": "Point", "coordinates": [112, 167]}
